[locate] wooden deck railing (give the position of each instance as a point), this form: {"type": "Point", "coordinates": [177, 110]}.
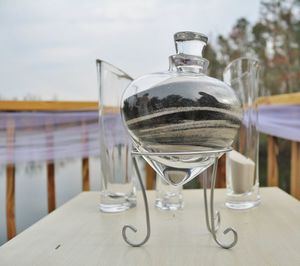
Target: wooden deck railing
{"type": "Point", "coordinates": [45, 106]}
{"type": "Point", "coordinates": [273, 147]}
{"type": "Point", "coordinates": [21, 106]}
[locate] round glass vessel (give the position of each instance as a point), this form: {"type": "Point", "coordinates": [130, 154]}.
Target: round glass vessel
{"type": "Point", "coordinates": [173, 115]}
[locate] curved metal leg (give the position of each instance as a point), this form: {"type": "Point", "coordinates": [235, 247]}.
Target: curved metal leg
{"type": "Point", "coordinates": [217, 214]}
{"type": "Point", "coordinates": [146, 210]}
{"type": "Point", "coordinates": [209, 214]}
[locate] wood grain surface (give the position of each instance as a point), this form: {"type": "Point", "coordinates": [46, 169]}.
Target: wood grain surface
{"type": "Point", "coordinates": [78, 234]}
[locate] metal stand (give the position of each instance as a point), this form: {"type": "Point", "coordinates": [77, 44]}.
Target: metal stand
{"type": "Point", "coordinates": [213, 219]}
{"type": "Point", "coordinates": [209, 212]}
{"type": "Point", "coordinates": [146, 210]}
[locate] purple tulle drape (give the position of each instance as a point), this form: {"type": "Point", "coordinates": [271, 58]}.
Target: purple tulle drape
{"type": "Point", "coordinates": [282, 121]}
{"type": "Point", "coordinates": [43, 136]}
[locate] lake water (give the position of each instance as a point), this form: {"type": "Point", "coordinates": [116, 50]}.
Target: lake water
{"type": "Point", "coordinates": [31, 190]}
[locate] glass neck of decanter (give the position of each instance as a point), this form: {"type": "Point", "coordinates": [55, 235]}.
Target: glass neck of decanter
{"type": "Point", "coordinates": [188, 64]}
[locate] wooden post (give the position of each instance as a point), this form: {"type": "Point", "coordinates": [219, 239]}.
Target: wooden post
{"type": "Point", "coordinates": [51, 186]}
{"type": "Point", "coordinates": [85, 161]}
{"type": "Point", "coordinates": [10, 182]}
{"type": "Point", "coordinates": [221, 173]}
{"type": "Point", "coordinates": [50, 168]}
{"type": "Point", "coordinates": [273, 151]}
{"type": "Point", "coordinates": [295, 169]}
{"type": "Point", "coordinates": [10, 201]}
{"type": "Point", "coordinates": [85, 174]}
{"type": "Point", "coordinates": [150, 176]}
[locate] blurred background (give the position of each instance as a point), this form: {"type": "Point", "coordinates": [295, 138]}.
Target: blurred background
{"type": "Point", "coordinates": [48, 51]}
{"type": "Point", "coordinates": [48, 48]}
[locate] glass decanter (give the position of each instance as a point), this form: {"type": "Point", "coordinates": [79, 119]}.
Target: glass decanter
{"type": "Point", "coordinates": [177, 118]}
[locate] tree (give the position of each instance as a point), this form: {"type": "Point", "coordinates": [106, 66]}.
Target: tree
{"type": "Point", "coordinates": [238, 43]}
{"type": "Point", "coordinates": [215, 67]}
{"type": "Point", "coordinates": [274, 40]}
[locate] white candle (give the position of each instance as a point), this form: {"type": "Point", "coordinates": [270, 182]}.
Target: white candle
{"type": "Point", "coordinates": [241, 171]}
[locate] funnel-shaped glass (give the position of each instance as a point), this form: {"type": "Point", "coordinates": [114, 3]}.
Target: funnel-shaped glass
{"type": "Point", "coordinates": [117, 188]}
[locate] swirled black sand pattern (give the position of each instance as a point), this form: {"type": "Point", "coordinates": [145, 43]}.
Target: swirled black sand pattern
{"type": "Point", "coordinates": [192, 116]}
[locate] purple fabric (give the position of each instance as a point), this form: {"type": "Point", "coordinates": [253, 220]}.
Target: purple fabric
{"type": "Point", "coordinates": [282, 121]}
{"type": "Point", "coordinates": [43, 136]}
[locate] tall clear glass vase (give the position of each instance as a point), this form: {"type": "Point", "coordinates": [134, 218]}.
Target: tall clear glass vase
{"type": "Point", "coordinates": [118, 192]}
{"type": "Point", "coordinates": [242, 163]}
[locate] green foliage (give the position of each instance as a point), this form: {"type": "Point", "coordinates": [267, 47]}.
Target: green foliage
{"type": "Point", "coordinates": [274, 40]}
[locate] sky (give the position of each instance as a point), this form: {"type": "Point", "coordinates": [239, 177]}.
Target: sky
{"type": "Point", "coordinates": [48, 48]}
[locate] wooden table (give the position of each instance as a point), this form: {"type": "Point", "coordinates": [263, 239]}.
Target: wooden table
{"type": "Point", "coordinates": [78, 234]}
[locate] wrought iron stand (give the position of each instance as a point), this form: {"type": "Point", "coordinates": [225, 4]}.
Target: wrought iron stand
{"type": "Point", "coordinates": [213, 219]}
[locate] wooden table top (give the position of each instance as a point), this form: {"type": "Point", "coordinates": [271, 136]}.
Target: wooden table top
{"type": "Point", "coordinates": [78, 234]}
